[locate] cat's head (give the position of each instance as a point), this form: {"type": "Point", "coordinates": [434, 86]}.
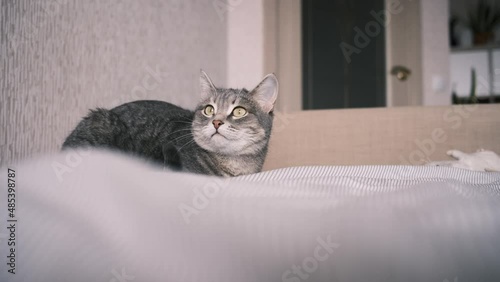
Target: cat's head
{"type": "Point", "coordinates": [235, 121]}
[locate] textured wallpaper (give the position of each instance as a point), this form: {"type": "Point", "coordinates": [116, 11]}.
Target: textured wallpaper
{"type": "Point", "coordinates": [59, 58]}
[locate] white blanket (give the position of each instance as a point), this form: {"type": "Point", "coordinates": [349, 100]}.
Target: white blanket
{"type": "Point", "coordinates": [93, 216]}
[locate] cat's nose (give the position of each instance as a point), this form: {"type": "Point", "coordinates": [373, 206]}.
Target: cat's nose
{"type": "Point", "coordinates": [217, 123]}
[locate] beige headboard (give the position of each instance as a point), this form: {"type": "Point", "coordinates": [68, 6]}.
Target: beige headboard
{"type": "Point", "coordinates": [399, 135]}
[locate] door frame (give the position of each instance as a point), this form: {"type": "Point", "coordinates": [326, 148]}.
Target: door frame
{"type": "Point", "coordinates": [283, 50]}
{"type": "Point", "coordinates": [283, 53]}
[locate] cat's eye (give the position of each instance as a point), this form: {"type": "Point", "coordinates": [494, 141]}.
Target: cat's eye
{"type": "Point", "coordinates": [239, 112]}
{"type": "Point", "coordinates": [208, 111]}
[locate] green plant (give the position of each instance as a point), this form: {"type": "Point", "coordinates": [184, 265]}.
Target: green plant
{"type": "Point", "coordinates": [484, 17]}
{"type": "Point", "coordinates": [473, 86]}
{"type": "Point", "coordinates": [472, 99]}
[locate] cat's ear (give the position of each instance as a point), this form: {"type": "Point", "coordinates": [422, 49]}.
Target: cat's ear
{"type": "Point", "coordinates": [266, 92]}
{"type": "Point", "coordinates": [206, 85]}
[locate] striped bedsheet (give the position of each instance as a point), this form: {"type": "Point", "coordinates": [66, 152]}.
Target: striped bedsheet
{"type": "Point", "coordinates": [96, 216]}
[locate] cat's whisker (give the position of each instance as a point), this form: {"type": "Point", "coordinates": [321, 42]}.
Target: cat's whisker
{"type": "Point", "coordinates": [183, 136]}
{"type": "Point", "coordinates": [188, 143]}
{"type": "Point", "coordinates": [180, 130]}
{"type": "Point", "coordinates": [179, 137]}
{"type": "Point", "coordinates": [183, 121]}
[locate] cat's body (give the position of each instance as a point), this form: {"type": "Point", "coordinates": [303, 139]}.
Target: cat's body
{"type": "Point", "coordinates": [215, 139]}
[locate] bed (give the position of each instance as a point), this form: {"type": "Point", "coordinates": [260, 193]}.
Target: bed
{"type": "Point", "coordinates": [336, 203]}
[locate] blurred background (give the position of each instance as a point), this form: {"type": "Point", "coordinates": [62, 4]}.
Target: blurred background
{"type": "Point", "coordinates": [60, 58]}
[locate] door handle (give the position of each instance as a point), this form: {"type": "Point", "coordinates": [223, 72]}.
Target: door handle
{"type": "Point", "coordinates": [402, 73]}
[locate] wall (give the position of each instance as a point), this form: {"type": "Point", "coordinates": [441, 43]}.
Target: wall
{"type": "Point", "coordinates": [245, 63]}
{"type": "Point", "coordinates": [264, 36]}
{"type": "Point", "coordinates": [283, 50]}
{"type": "Point", "coordinates": [435, 52]}
{"type": "Point", "coordinates": [60, 58]}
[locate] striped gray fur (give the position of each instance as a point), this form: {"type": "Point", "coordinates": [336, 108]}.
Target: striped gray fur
{"type": "Point", "coordinates": [219, 143]}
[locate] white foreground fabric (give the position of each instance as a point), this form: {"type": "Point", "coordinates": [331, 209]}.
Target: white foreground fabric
{"type": "Point", "coordinates": [94, 216]}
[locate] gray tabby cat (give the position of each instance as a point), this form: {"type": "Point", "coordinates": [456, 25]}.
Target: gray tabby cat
{"type": "Point", "coordinates": [227, 134]}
